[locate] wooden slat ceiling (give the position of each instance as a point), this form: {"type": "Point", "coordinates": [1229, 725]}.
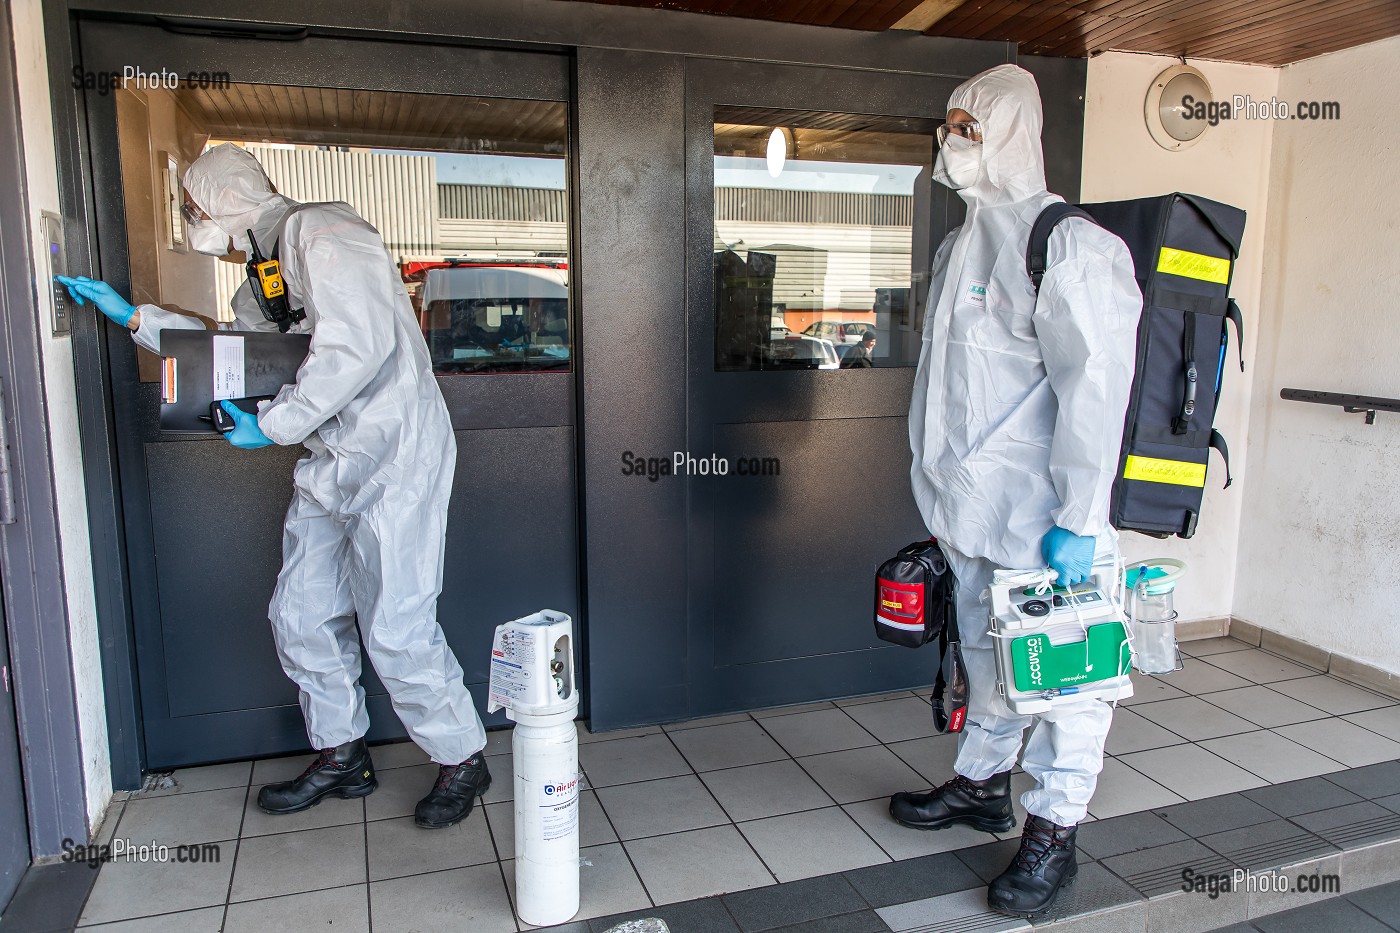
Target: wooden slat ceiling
{"type": "Point", "coordinates": [1265, 32]}
{"type": "Point", "coordinates": [339, 117]}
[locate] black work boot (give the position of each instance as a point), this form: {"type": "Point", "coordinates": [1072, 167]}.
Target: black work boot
{"type": "Point", "coordinates": [1044, 864]}
{"type": "Point", "coordinates": [343, 771]}
{"type": "Point", "coordinates": [457, 787]}
{"type": "Point", "coordinates": [984, 805]}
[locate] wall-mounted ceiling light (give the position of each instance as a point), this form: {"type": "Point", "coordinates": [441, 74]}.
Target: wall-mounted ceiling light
{"type": "Point", "coordinates": [1175, 101]}
{"type": "Point", "coordinates": [779, 142]}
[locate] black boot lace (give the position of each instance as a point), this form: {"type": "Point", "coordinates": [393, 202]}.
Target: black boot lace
{"type": "Point", "coordinates": [1038, 839]}
{"type": "Point", "coordinates": [964, 784]}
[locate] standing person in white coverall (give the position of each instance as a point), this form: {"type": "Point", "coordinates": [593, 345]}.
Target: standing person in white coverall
{"type": "Point", "coordinates": [363, 539]}
{"type": "Point", "coordinates": [1015, 425]}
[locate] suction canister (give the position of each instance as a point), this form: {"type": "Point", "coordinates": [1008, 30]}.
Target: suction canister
{"type": "Point", "coordinates": [1152, 611]}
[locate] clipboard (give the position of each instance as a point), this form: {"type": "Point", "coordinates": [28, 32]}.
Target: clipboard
{"type": "Point", "coordinates": [200, 366]}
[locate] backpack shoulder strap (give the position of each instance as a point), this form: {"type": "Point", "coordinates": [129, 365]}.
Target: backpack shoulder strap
{"type": "Point", "coordinates": [1038, 249]}
{"type": "Point", "coordinates": [282, 225]}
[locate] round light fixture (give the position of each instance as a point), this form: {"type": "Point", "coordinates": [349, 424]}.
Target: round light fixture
{"type": "Point", "coordinates": [1172, 104]}
{"type": "Point", "coordinates": [778, 142]}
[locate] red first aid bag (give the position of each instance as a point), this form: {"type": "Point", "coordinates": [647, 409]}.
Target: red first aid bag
{"type": "Point", "coordinates": [916, 602]}
{"type": "Point", "coordinates": [914, 595]}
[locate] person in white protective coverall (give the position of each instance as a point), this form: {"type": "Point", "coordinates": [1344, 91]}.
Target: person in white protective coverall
{"type": "Point", "coordinates": [1015, 425]}
{"type": "Point", "coordinates": [363, 538]}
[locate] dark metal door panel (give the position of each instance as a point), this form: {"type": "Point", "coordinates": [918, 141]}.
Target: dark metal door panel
{"type": "Point", "coordinates": [202, 522]}
{"type": "Point", "coordinates": [781, 566]}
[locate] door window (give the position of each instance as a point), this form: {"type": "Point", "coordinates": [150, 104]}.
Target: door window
{"type": "Point", "coordinates": [469, 194]}
{"type": "Point", "coordinates": [815, 220]}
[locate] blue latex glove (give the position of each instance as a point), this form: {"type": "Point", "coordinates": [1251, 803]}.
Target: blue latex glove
{"type": "Point", "coordinates": [1070, 555]}
{"type": "Point", "coordinates": [246, 435]}
{"type": "Point", "coordinates": [84, 289]}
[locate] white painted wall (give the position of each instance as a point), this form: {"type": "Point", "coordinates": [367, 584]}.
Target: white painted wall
{"type": "Point", "coordinates": [59, 389]}
{"type": "Point", "coordinates": [1318, 558]}
{"type": "Point", "coordinates": [1230, 163]}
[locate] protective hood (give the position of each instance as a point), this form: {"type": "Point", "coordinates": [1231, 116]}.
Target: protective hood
{"type": "Point", "coordinates": [232, 188]}
{"type": "Point", "coordinates": [1006, 102]}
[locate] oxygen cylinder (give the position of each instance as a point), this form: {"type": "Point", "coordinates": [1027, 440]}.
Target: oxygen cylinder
{"type": "Point", "coordinates": [546, 817]}
{"type": "Point", "coordinates": [532, 678]}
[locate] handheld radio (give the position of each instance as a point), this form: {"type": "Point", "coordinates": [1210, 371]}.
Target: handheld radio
{"type": "Point", "coordinates": [265, 277]}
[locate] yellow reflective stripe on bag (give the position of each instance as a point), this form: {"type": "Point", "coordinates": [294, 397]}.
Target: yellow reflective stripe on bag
{"type": "Point", "coordinates": [1175, 472]}
{"type": "Point", "coordinates": [1194, 265]}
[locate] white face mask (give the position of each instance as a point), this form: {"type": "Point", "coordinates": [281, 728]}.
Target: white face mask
{"type": "Point", "coordinates": [959, 163]}
{"type": "Point", "coordinates": [206, 237]}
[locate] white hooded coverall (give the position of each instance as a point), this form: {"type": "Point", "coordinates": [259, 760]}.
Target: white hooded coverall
{"type": "Point", "coordinates": [1017, 420]}
{"type": "Point", "coordinates": [363, 538]}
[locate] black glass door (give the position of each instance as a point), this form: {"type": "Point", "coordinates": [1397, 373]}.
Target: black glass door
{"type": "Point", "coordinates": [459, 157]}
{"type": "Point", "coordinates": [811, 226]}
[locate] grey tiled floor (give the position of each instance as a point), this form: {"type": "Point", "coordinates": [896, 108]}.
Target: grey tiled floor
{"type": "Point", "coordinates": [743, 802]}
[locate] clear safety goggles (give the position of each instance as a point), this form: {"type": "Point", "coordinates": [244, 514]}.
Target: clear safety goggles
{"type": "Point", "coordinates": [191, 212]}
{"type": "Point", "coordinates": [969, 130]}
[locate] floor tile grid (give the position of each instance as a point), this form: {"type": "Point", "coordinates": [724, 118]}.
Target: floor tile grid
{"type": "Point", "coordinates": [759, 719]}
{"type": "Point", "coordinates": [985, 859]}
{"type": "Point", "coordinates": [110, 832]}
{"type": "Point", "coordinates": [625, 850]}
{"type": "Point", "coordinates": [1302, 831]}
{"type": "Point", "coordinates": [250, 788]}
{"type": "Point", "coordinates": [229, 889]}
{"type": "Point", "coordinates": [769, 715]}
{"type": "Point", "coordinates": [811, 777]}
{"type": "Point", "coordinates": [228, 894]}
{"type": "Point", "coordinates": [1205, 659]}
{"type": "Point", "coordinates": [874, 742]}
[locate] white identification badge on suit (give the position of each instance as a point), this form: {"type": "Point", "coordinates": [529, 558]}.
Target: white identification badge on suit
{"type": "Point", "coordinates": [976, 293]}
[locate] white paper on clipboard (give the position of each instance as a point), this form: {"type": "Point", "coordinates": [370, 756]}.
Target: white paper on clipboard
{"type": "Point", "coordinates": [228, 367]}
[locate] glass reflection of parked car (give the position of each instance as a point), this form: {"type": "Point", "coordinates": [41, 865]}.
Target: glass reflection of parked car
{"type": "Point", "coordinates": [492, 315]}
{"type": "Point", "coordinates": [798, 351]}
{"type": "Point", "coordinates": [780, 330]}
{"type": "Point", "coordinates": [841, 333]}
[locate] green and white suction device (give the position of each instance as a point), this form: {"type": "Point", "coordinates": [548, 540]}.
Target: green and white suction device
{"type": "Point", "coordinates": [1057, 645]}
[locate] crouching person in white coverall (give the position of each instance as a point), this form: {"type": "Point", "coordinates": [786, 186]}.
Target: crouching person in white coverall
{"type": "Point", "coordinates": [1015, 425]}
{"type": "Point", "coordinates": [363, 539]}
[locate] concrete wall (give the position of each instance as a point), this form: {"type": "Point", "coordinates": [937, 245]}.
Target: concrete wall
{"type": "Point", "coordinates": [59, 390]}
{"type": "Point", "coordinates": [1317, 552]}
{"type": "Point", "coordinates": [1230, 163]}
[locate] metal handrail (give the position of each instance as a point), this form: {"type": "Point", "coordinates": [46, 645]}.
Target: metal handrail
{"type": "Point", "coordinates": [1352, 404]}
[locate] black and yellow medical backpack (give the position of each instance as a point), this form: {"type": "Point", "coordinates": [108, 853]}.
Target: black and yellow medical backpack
{"type": "Point", "coordinates": [1184, 249]}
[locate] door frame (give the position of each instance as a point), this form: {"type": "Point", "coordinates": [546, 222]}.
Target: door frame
{"type": "Point", "coordinates": [31, 562]}
{"type": "Point", "coordinates": [367, 63]}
